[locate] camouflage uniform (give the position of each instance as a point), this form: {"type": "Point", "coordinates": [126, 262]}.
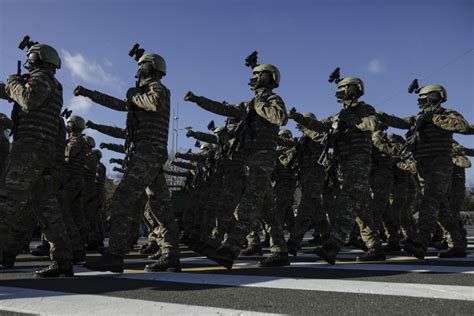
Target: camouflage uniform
{"type": "Point", "coordinates": [353, 147]}
{"type": "Point", "coordinates": [28, 173]}
{"type": "Point", "coordinates": [311, 178]}
{"type": "Point", "coordinates": [264, 114]}
{"type": "Point", "coordinates": [5, 125]}
{"type": "Point", "coordinates": [147, 131]}
{"type": "Point", "coordinates": [433, 155]}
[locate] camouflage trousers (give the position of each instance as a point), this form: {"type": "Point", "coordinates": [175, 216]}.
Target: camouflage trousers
{"type": "Point", "coordinates": [457, 192]}
{"type": "Point", "coordinates": [381, 182]}
{"type": "Point", "coordinates": [436, 175]}
{"type": "Point", "coordinates": [310, 210]}
{"type": "Point", "coordinates": [143, 173]}
{"type": "Point", "coordinates": [284, 199]}
{"type": "Point", "coordinates": [233, 184]}
{"type": "Point", "coordinates": [352, 203]}
{"type": "Point", "coordinates": [257, 192]}
{"type": "Point", "coordinates": [399, 213]}
{"type": "Point", "coordinates": [73, 202]}
{"type": "Point", "coordinates": [27, 178]}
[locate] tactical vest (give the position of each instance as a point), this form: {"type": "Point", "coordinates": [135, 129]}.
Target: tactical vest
{"type": "Point", "coordinates": [75, 164]}
{"type": "Point", "coordinates": [153, 126]}
{"type": "Point", "coordinates": [41, 124]}
{"type": "Point", "coordinates": [381, 160]}
{"type": "Point", "coordinates": [283, 172]}
{"type": "Point", "coordinates": [90, 169]}
{"type": "Point", "coordinates": [351, 140]}
{"type": "Point", "coordinates": [309, 151]}
{"type": "Point", "coordinates": [259, 134]}
{"type": "Point", "coordinates": [60, 144]}
{"type": "Point", "coordinates": [433, 141]}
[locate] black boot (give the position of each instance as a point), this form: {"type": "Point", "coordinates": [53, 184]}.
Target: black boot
{"type": "Point", "coordinates": [56, 269]}
{"type": "Point", "coordinates": [414, 248]}
{"type": "Point", "coordinates": [277, 259]}
{"type": "Point", "coordinates": [327, 252]}
{"type": "Point", "coordinates": [266, 241]}
{"type": "Point", "coordinates": [392, 246]}
{"type": "Point", "coordinates": [453, 253]}
{"type": "Point", "coordinates": [372, 255]}
{"type": "Point", "coordinates": [221, 255]}
{"type": "Point", "coordinates": [254, 250]}
{"type": "Point", "coordinates": [165, 263]}
{"type": "Point", "coordinates": [40, 251]}
{"type": "Point", "coordinates": [151, 248]}
{"type": "Point", "coordinates": [292, 247]}
{"type": "Point", "coordinates": [155, 256]}
{"type": "Point", "coordinates": [106, 262]}
{"type": "Point", "coordinates": [8, 259]}
{"type": "Point", "coordinates": [357, 243]}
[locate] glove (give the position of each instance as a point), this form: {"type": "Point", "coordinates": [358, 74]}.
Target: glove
{"type": "Point", "coordinates": [189, 133]}
{"type": "Point", "coordinates": [81, 91]}
{"type": "Point", "coordinates": [291, 113]}
{"type": "Point", "coordinates": [14, 77]}
{"type": "Point", "coordinates": [102, 145]}
{"type": "Point", "coordinates": [190, 97]}
{"type": "Point", "coordinates": [90, 124]}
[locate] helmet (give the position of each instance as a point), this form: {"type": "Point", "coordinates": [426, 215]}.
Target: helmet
{"type": "Point", "coordinates": [434, 88]}
{"type": "Point", "coordinates": [156, 60]}
{"type": "Point", "coordinates": [309, 114]}
{"type": "Point", "coordinates": [97, 152]}
{"type": "Point", "coordinates": [270, 68]}
{"type": "Point", "coordinates": [46, 54]}
{"type": "Point", "coordinates": [90, 141]}
{"type": "Point", "coordinates": [205, 146]}
{"type": "Point", "coordinates": [394, 138]}
{"type": "Point", "coordinates": [352, 81]}
{"type": "Point", "coordinates": [78, 121]}
{"type": "Point", "coordinates": [285, 133]}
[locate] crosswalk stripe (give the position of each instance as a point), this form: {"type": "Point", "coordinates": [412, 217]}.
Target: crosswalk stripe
{"type": "Point", "coordinates": [448, 292]}
{"type": "Point", "coordinates": [41, 302]}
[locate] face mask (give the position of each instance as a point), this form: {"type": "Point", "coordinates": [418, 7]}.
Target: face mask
{"type": "Point", "coordinates": [261, 80]}
{"type": "Point", "coordinates": [32, 62]}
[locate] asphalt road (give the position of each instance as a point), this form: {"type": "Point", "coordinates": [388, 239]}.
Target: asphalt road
{"type": "Point", "coordinates": [400, 285]}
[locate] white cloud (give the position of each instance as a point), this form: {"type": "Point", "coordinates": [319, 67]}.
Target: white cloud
{"type": "Point", "coordinates": [376, 66]}
{"type": "Point", "coordinates": [89, 71]}
{"type": "Point", "coordinates": [79, 105]}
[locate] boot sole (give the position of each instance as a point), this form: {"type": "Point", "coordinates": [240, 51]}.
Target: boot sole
{"type": "Point", "coordinates": [113, 269]}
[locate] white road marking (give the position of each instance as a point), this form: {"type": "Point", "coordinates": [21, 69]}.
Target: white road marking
{"type": "Point", "coordinates": [448, 292]}
{"type": "Point", "coordinates": [40, 302]}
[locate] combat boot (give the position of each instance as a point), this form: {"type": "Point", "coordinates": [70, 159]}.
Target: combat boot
{"type": "Point", "coordinates": [40, 251]}
{"type": "Point", "coordinates": [414, 248]}
{"type": "Point", "coordinates": [372, 255]}
{"type": "Point", "coordinates": [439, 244]}
{"type": "Point", "coordinates": [155, 256]}
{"type": "Point", "coordinates": [392, 246]}
{"type": "Point", "coordinates": [151, 248]}
{"type": "Point", "coordinates": [254, 250]}
{"type": "Point", "coordinates": [327, 252]}
{"type": "Point", "coordinates": [357, 243]}
{"type": "Point", "coordinates": [292, 247]}
{"type": "Point", "coordinates": [221, 255]}
{"type": "Point", "coordinates": [453, 253]}
{"type": "Point", "coordinates": [266, 241]}
{"type": "Point", "coordinates": [165, 264]}
{"type": "Point", "coordinates": [8, 260]}
{"type": "Point", "coordinates": [317, 240]}
{"type": "Point", "coordinates": [55, 270]}
{"type": "Point", "coordinates": [277, 259]}
{"type": "Point", "coordinates": [107, 262]}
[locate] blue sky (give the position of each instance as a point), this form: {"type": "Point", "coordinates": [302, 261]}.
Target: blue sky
{"type": "Point", "coordinates": [386, 43]}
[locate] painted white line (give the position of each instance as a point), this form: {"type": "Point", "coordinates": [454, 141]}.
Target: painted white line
{"type": "Point", "coordinates": [448, 292]}
{"type": "Point", "coordinates": [41, 302]}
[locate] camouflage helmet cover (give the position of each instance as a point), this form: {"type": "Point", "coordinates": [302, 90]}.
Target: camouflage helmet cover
{"type": "Point", "coordinates": [90, 141]}
{"type": "Point", "coordinates": [78, 121]}
{"type": "Point", "coordinates": [270, 68]}
{"type": "Point", "coordinates": [434, 88]}
{"type": "Point", "coordinates": [97, 152]}
{"type": "Point", "coordinates": [309, 115]}
{"type": "Point", "coordinates": [156, 60]}
{"type": "Point", "coordinates": [46, 53]}
{"type": "Point", "coordinates": [285, 133]}
{"type": "Point", "coordinates": [352, 80]}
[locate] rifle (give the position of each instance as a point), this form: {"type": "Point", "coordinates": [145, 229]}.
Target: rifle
{"type": "Point", "coordinates": [329, 140]}
{"type": "Point", "coordinates": [15, 115]}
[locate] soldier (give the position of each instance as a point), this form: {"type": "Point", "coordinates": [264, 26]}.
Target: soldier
{"type": "Point", "coordinates": [311, 178]}
{"type": "Point", "coordinates": [148, 109]}
{"type": "Point", "coordinates": [75, 158]}
{"type": "Point", "coordinates": [28, 173]}
{"type": "Point", "coordinates": [431, 137]}
{"type": "Point", "coordinates": [352, 138]}
{"type": "Point", "coordinates": [96, 236]}
{"type": "Point", "coordinates": [258, 133]}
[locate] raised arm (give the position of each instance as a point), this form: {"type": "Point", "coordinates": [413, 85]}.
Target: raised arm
{"type": "Point", "coordinates": [201, 136]}
{"type": "Point", "coordinates": [214, 106]}
{"type": "Point", "coordinates": [102, 99]}
{"type": "Point", "coordinates": [33, 93]}
{"type": "Point", "coordinates": [112, 131]}
{"type": "Point", "coordinates": [113, 147]}
{"type": "Point", "coordinates": [395, 121]}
